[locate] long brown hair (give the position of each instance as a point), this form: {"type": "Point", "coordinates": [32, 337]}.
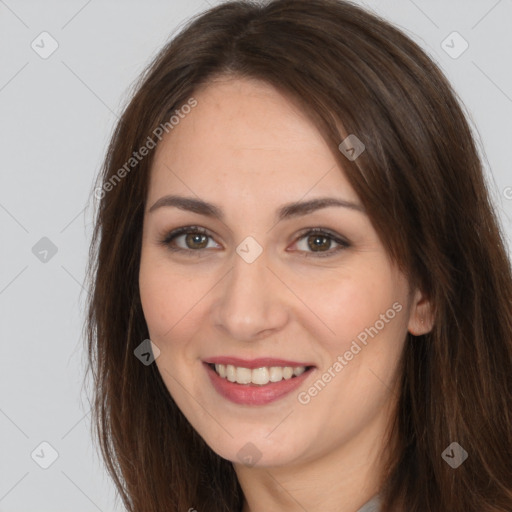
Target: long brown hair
{"type": "Point", "coordinates": [421, 181]}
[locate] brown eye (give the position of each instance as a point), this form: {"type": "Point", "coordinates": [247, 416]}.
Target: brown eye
{"type": "Point", "coordinates": [196, 241]}
{"type": "Point", "coordinates": [191, 239]}
{"type": "Point", "coordinates": [319, 242]}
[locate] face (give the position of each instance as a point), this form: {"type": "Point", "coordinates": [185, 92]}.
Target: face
{"type": "Point", "coordinates": [250, 284]}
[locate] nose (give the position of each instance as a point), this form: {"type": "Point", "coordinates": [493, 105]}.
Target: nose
{"type": "Point", "coordinates": [251, 301]}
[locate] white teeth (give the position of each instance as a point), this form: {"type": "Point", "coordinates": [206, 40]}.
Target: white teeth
{"type": "Point", "coordinates": [287, 372]}
{"type": "Point", "coordinates": [231, 373]}
{"type": "Point", "coordinates": [221, 370]}
{"type": "Point", "coordinates": [276, 374]}
{"type": "Point", "coordinates": [259, 376]}
{"type": "Point", "coordinates": [243, 375]}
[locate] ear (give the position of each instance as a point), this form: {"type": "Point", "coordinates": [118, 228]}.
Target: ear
{"type": "Point", "coordinates": [421, 319]}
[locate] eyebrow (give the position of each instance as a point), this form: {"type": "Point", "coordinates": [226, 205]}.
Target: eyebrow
{"type": "Point", "coordinates": [287, 211]}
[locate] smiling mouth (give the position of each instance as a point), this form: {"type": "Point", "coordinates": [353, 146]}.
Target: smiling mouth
{"type": "Point", "coordinates": [257, 376]}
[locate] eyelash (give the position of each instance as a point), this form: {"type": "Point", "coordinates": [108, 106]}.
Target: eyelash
{"type": "Point", "coordinates": [325, 233]}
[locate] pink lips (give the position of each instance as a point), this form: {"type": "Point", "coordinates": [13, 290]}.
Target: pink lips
{"type": "Point", "coordinates": [252, 394]}
{"type": "Point", "coordinates": [255, 363]}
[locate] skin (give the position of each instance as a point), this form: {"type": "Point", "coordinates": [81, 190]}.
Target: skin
{"type": "Point", "coordinates": [248, 149]}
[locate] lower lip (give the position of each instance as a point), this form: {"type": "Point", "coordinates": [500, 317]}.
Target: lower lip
{"type": "Point", "coordinates": [252, 394]}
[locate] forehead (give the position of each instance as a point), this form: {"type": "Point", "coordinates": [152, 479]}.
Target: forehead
{"type": "Point", "coordinates": [246, 136]}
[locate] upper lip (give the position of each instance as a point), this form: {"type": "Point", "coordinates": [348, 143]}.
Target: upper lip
{"type": "Point", "coordinates": [255, 363]}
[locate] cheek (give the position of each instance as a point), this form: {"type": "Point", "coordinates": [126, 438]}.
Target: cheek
{"type": "Point", "coordinates": [169, 300]}
{"type": "Point", "coordinates": [351, 301]}
{"type": "Point", "coordinates": [361, 354]}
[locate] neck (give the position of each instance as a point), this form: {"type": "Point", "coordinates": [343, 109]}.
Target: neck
{"type": "Point", "coordinates": [343, 478]}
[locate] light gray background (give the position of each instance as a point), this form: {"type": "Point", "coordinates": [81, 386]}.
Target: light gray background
{"type": "Point", "coordinates": [56, 118]}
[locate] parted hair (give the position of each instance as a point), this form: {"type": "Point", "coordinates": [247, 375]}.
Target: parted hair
{"type": "Point", "coordinates": [422, 184]}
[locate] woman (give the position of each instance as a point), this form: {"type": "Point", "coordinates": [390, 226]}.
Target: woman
{"type": "Point", "coordinates": [301, 295]}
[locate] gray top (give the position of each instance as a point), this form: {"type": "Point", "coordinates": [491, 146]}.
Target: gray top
{"type": "Point", "coordinates": [371, 506]}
